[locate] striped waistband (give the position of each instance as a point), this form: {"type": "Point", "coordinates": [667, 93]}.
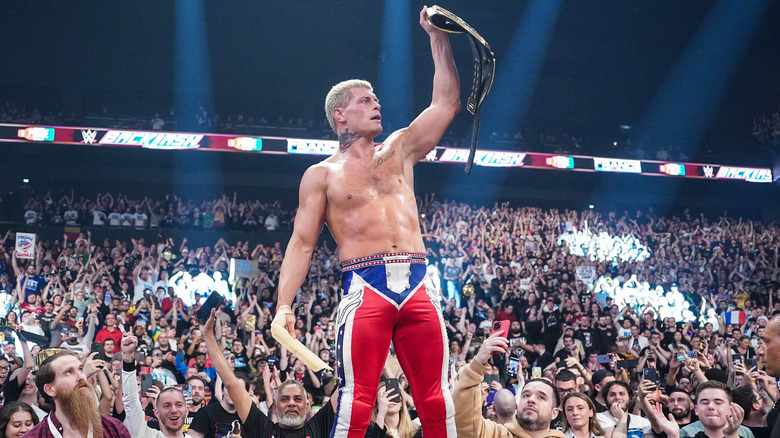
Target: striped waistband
{"type": "Point", "coordinates": [383, 258]}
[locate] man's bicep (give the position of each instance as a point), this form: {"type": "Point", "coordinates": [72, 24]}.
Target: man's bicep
{"type": "Point", "coordinates": [311, 207]}
{"type": "Point", "coordinates": [424, 133]}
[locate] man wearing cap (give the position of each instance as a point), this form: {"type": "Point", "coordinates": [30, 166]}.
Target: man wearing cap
{"type": "Point", "coordinates": [365, 195]}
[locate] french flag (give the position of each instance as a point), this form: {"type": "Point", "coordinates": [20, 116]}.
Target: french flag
{"type": "Point", "coordinates": [735, 317]}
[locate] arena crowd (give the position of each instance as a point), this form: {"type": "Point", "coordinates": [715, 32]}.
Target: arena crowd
{"type": "Point", "coordinates": [632, 319]}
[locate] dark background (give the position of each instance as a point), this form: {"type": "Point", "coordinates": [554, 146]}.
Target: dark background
{"type": "Point", "coordinates": [605, 63]}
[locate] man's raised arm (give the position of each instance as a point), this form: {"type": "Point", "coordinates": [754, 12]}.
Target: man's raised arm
{"type": "Point", "coordinates": [427, 129]}
{"type": "Point", "coordinates": [308, 224]}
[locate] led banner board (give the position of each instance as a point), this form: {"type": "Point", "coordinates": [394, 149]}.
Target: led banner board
{"type": "Point", "coordinates": [178, 141]}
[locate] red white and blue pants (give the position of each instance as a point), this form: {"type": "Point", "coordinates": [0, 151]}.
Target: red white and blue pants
{"type": "Point", "coordinates": [391, 298]}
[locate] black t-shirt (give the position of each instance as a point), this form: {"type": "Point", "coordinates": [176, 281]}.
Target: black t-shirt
{"type": "Point", "coordinates": [46, 321]}
{"type": "Point", "coordinates": [213, 421]}
{"type": "Point", "coordinates": [585, 335]}
{"type": "Point", "coordinates": [257, 425]}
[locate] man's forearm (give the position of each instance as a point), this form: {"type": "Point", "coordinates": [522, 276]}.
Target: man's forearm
{"type": "Point", "coordinates": [446, 85]}
{"type": "Point", "coordinates": [295, 266]}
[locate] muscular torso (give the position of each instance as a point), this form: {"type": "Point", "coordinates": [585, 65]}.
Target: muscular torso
{"type": "Point", "coordinates": [371, 207]}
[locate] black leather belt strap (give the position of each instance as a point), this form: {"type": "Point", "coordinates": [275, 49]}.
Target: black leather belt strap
{"type": "Point", "coordinates": [484, 66]}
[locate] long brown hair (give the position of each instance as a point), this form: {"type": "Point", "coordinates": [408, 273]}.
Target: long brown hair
{"type": "Point", "coordinates": [406, 429]}
{"type": "Point", "coordinates": [593, 425]}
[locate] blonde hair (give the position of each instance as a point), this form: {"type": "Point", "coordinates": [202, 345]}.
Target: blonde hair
{"type": "Point", "coordinates": [339, 96]}
{"type": "Point", "coordinates": [406, 429]}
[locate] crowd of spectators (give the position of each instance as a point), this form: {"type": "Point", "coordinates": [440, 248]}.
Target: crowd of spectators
{"type": "Point", "coordinates": [496, 263]}
{"type": "Point", "coordinates": [120, 211]}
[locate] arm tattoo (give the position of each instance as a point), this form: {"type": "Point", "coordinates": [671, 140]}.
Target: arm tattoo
{"type": "Point", "coordinates": [382, 160]}
{"type": "Point", "coordinates": [347, 139]}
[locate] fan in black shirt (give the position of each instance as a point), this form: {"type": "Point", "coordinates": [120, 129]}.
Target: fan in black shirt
{"type": "Point", "coordinates": [291, 402]}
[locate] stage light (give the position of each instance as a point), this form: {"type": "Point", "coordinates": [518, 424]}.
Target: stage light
{"type": "Point", "coordinates": [395, 82]}
{"type": "Point", "coordinates": [26, 180]}
{"type": "Point", "coordinates": [518, 69]}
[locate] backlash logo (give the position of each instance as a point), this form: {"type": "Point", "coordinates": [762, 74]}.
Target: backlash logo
{"type": "Point", "coordinates": [88, 136]}
{"type": "Point", "coordinates": [708, 171]}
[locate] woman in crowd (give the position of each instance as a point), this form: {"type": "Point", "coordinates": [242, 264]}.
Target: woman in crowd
{"type": "Point", "coordinates": [16, 418]}
{"type": "Point", "coordinates": [390, 418]}
{"type": "Point", "coordinates": [579, 419]}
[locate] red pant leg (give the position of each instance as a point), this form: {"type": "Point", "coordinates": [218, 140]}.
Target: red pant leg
{"type": "Point", "coordinates": [365, 331]}
{"type": "Point", "coordinates": [420, 342]}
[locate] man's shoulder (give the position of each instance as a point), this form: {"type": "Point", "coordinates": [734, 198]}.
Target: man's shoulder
{"type": "Point", "coordinates": [116, 424]}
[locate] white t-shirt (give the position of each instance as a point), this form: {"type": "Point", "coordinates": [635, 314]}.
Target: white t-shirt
{"type": "Point", "coordinates": [98, 217]}
{"type": "Point", "coordinates": [30, 217]}
{"type": "Point", "coordinates": [114, 219]}
{"type": "Point", "coordinates": [140, 220]}
{"type": "Point", "coordinates": [127, 219]}
{"type": "Point", "coordinates": [635, 422]}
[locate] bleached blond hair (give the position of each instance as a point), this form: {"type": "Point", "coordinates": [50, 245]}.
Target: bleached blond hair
{"type": "Point", "coordinates": [339, 96]}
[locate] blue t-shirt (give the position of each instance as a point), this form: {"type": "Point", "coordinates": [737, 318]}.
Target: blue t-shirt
{"type": "Point", "coordinates": [32, 285]}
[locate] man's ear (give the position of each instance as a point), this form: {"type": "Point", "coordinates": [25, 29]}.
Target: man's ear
{"type": "Point", "coordinates": [338, 115]}
{"type": "Point", "coordinates": [555, 411]}
{"type": "Point", "coordinates": [51, 392]}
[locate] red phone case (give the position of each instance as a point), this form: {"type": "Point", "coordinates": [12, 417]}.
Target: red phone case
{"type": "Point", "coordinates": [501, 325]}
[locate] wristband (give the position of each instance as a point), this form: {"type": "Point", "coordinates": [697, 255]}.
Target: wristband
{"type": "Point", "coordinates": [128, 366]}
{"type": "Point", "coordinates": [284, 308]}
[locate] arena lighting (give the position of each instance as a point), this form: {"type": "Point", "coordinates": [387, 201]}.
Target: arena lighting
{"type": "Point", "coordinates": [26, 180]}
{"type": "Point", "coordinates": [668, 303]}
{"type": "Point", "coordinates": [603, 247]}
{"type": "Point", "coordinates": [395, 83]}
{"type": "Point", "coordinates": [683, 108]}
{"type": "Point", "coordinates": [192, 89]}
{"type": "Point", "coordinates": [192, 74]}
{"type": "Point", "coordinates": [518, 68]}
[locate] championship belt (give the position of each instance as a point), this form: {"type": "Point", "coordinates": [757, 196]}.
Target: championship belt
{"type": "Point", "coordinates": [484, 66]}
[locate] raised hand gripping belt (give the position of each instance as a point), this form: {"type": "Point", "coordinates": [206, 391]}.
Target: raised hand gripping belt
{"type": "Point", "coordinates": [484, 66]}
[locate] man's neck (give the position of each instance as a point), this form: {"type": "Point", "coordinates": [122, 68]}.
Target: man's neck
{"type": "Point", "coordinates": [171, 433]}
{"type": "Point", "coordinates": [66, 422]}
{"type": "Point", "coordinates": [714, 432]}
{"type": "Point", "coordinates": [539, 433]}
{"type": "Point", "coordinates": [229, 408]}
{"type": "Point", "coordinates": [30, 399]}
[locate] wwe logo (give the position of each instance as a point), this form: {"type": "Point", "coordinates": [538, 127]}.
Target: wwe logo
{"type": "Point", "coordinates": [708, 170]}
{"type": "Point", "coordinates": [88, 136]}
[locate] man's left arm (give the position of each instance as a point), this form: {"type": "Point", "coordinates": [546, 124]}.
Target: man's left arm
{"type": "Point", "coordinates": [426, 130]}
{"type": "Point", "coordinates": [467, 395]}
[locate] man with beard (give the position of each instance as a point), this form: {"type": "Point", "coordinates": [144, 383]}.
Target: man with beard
{"type": "Point", "coordinates": [170, 407]}
{"type": "Point", "coordinates": [681, 407]}
{"type": "Point", "coordinates": [291, 404]}
{"type": "Point", "coordinates": [61, 382]}
{"type": "Point", "coordinates": [617, 393]}
{"type": "Point", "coordinates": [585, 333]}
{"type": "Point", "coordinates": [536, 406]}
{"type": "Point", "coordinates": [198, 390]}
{"type": "Point", "coordinates": [605, 335]}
